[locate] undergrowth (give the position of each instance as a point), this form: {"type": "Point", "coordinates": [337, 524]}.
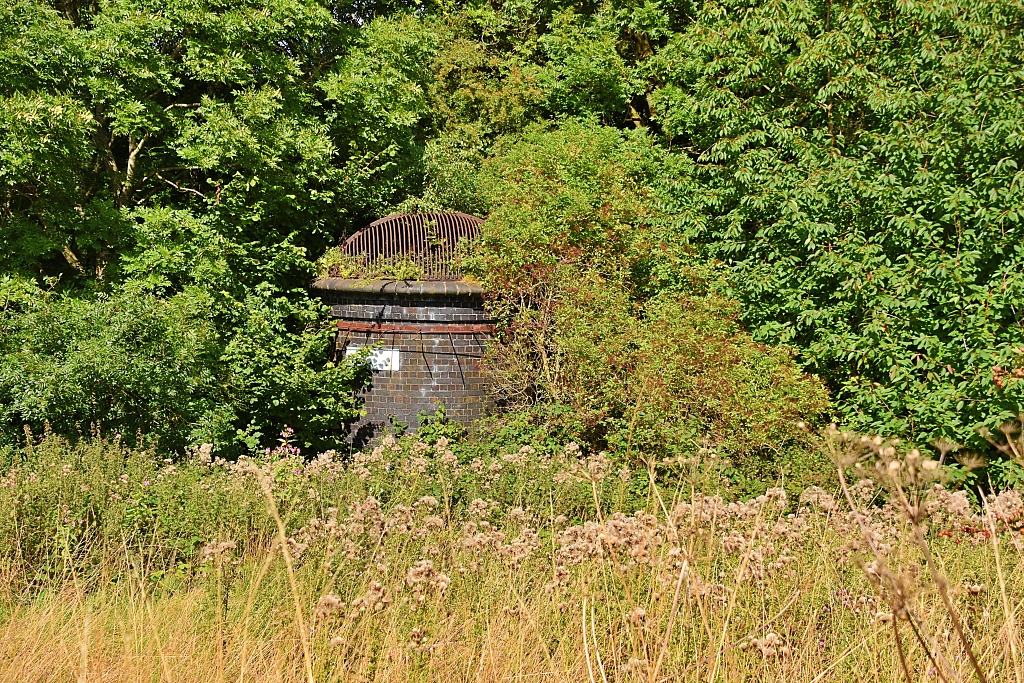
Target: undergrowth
{"type": "Point", "coordinates": [423, 559]}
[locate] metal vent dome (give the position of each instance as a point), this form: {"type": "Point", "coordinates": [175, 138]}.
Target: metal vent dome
{"type": "Point", "coordinates": [428, 239]}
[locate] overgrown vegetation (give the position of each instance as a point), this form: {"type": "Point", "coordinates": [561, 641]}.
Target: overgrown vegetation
{"type": "Point", "coordinates": [858, 166]}
{"type": "Point", "coordinates": [848, 173]}
{"type": "Point", "coordinates": [437, 560]}
{"type": "Point", "coordinates": [336, 263]}
{"type": "Point", "coordinates": [712, 228]}
{"type": "Point", "coordinates": [602, 340]}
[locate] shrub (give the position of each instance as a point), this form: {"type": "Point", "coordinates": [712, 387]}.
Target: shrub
{"type": "Point", "coordinates": [133, 362]}
{"type": "Point", "coordinates": [586, 339]}
{"type": "Point", "coordinates": [281, 374]}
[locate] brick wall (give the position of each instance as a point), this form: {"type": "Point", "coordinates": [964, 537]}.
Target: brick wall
{"type": "Point", "coordinates": [440, 333]}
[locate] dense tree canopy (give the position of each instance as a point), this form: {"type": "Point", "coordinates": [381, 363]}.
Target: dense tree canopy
{"type": "Point", "coordinates": [859, 167]}
{"type": "Point", "coordinates": [848, 172]}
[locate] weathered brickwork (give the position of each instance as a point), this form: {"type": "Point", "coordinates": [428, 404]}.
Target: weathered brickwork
{"type": "Point", "coordinates": [440, 331]}
{"type": "Point", "coordinates": [433, 369]}
{"type": "Point", "coordinates": [435, 310]}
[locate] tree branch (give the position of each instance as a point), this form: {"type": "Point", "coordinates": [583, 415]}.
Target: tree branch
{"type": "Point", "coordinates": [72, 259]}
{"type": "Point", "coordinates": [124, 196]}
{"type": "Point", "coordinates": [178, 187]}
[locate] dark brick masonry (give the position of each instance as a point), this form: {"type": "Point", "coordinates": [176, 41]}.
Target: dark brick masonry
{"type": "Point", "coordinates": [440, 332]}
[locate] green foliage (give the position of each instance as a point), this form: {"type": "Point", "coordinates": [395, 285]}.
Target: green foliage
{"type": "Point", "coordinates": [125, 362]}
{"type": "Point", "coordinates": [282, 378]}
{"type": "Point", "coordinates": [849, 173]}
{"type": "Point", "coordinates": [584, 71]}
{"type": "Point", "coordinates": [138, 363]}
{"type": "Point", "coordinates": [170, 169]}
{"type": "Point", "coordinates": [698, 367]}
{"type": "Point", "coordinates": [70, 505]}
{"type": "Point", "coordinates": [186, 160]}
{"type": "Point", "coordinates": [857, 166]}
{"type": "Point", "coordinates": [436, 426]}
{"type": "Point", "coordinates": [1005, 474]}
{"type": "Point", "coordinates": [573, 197]}
{"type": "Point", "coordinates": [336, 263]}
{"type": "Point", "coordinates": [567, 253]}
{"type": "Point", "coordinates": [504, 67]}
{"type": "Point", "coordinates": [377, 109]}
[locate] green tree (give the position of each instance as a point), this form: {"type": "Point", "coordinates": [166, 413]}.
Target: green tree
{"type": "Point", "coordinates": [125, 363]}
{"type": "Point", "coordinates": [184, 162]}
{"type": "Point", "coordinates": [270, 119]}
{"type": "Point", "coordinates": [857, 166]}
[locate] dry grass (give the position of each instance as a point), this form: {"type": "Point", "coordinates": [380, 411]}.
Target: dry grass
{"type": "Point", "coordinates": [497, 621]}
{"type": "Point", "coordinates": [693, 588]}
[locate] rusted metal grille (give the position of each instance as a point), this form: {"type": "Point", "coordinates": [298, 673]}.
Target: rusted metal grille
{"type": "Point", "coordinates": [428, 239]}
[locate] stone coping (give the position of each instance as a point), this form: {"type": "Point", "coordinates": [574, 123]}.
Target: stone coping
{"type": "Point", "coordinates": [399, 287]}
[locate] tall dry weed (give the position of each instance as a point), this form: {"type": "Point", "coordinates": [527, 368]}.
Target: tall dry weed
{"type": "Point", "coordinates": [410, 563]}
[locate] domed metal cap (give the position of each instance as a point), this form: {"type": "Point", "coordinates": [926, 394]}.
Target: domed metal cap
{"type": "Point", "coordinates": [428, 239]}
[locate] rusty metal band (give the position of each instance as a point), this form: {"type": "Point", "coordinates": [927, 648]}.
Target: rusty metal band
{"type": "Point", "coordinates": [386, 328]}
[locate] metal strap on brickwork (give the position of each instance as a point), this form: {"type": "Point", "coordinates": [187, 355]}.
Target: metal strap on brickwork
{"type": "Point", "coordinates": [428, 239]}
{"type": "Point", "coordinates": [398, 288]}
{"type": "Point", "coordinates": [414, 328]}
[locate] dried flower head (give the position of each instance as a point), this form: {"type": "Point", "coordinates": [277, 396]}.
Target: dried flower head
{"type": "Point", "coordinates": [328, 604]}
{"type": "Point", "coordinates": [215, 550]}
{"type": "Point", "coordinates": [418, 639]}
{"type": "Point", "coordinates": [204, 454]}
{"type": "Point", "coordinates": [423, 576]}
{"type": "Point", "coordinates": [816, 496]}
{"type": "Point", "coordinates": [375, 599]}
{"type": "Point", "coordinates": [771, 645]}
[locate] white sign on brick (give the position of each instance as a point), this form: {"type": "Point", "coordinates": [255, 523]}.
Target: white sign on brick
{"type": "Point", "coordinates": [381, 360]}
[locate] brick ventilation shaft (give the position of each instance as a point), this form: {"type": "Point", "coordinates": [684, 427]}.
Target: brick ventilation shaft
{"type": "Point", "coordinates": [432, 332]}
